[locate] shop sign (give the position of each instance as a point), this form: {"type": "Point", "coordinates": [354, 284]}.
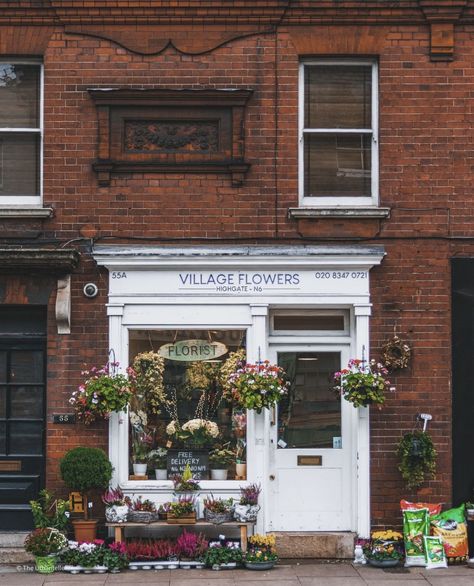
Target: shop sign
{"type": "Point", "coordinates": [192, 350]}
{"type": "Point", "coordinates": [198, 461]}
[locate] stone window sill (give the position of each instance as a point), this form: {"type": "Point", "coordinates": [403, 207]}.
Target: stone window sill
{"type": "Point", "coordinates": [25, 212]}
{"type": "Point", "coordinates": [348, 213]}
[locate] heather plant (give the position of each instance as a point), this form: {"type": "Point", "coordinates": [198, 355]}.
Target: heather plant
{"type": "Point", "coordinates": [249, 494]}
{"type": "Point", "coordinates": [184, 506]}
{"type": "Point", "coordinates": [150, 549]}
{"type": "Point", "coordinates": [218, 505]}
{"type": "Point", "coordinates": [191, 545]}
{"type": "Point", "coordinates": [140, 505]}
{"type": "Point", "coordinates": [113, 496]}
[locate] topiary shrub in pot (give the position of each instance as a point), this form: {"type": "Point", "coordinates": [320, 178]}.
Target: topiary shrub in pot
{"type": "Point", "coordinates": [85, 469]}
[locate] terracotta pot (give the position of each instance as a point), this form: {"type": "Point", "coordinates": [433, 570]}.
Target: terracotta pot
{"type": "Point", "coordinates": [241, 470]}
{"type": "Point", "coordinates": [84, 530]}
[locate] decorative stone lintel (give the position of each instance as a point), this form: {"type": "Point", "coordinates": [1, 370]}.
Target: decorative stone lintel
{"type": "Point", "coordinates": [15, 259]}
{"type": "Point", "coordinates": [348, 213]}
{"type": "Point", "coordinates": [25, 212]}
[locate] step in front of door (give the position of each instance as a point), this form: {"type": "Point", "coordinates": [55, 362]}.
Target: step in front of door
{"type": "Point", "coordinates": [307, 544]}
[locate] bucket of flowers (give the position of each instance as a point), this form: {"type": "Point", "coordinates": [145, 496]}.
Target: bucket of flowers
{"type": "Point", "coordinates": [362, 383]}
{"type": "Point", "coordinates": [45, 543]}
{"type": "Point", "coordinates": [141, 511]}
{"type": "Point", "coordinates": [218, 511]}
{"type": "Point", "coordinates": [103, 391]}
{"type": "Point", "coordinates": [255, 386]}
{"type": "Point", "coordinates": [384, 549]}
{"type": "Point", "coordinates": [261, 554]}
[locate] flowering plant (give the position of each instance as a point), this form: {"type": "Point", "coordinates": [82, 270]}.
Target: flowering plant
{"type": "Point", "coordinates": [255, 386]}
{"type": "Point", "coordinates": [196, 431]}
{"type": "Point", "coordinates": [138, 505]}
{"type": "Point", "coordinates": [249, 494]}
{"type": "Point", "coordinates": [115, 556]}
{"type": "Point", "coordinates": [362, 384]}
{"type": "Point", "coordinates": [84, 554]}
{"type": "Point", "coordinates": [45, 541]}
{"type": "Point", "coordinates": [113, 497]}
{"type": "Point", "coordinates": [384, 545]}
{"type": "Point", "coordinates": [150, 549]}
{"type": "Point", "coordinates": [183, 507]}
{"type": "Point", "coordinates": [157, 458]}
{"type": "Point", "coordinates": [261, 549]}
{"type": "Point", "coordinates": [191, 545]}
{"type": "Point", "coordinates": [102, 392]}
{"type": "Point", "coordinates": [222, 553]}
{"type": "Point", "coordinates": [141, 444]}
{"type": "Point", "coordinates": [221, 457]}
{"type": "Point", "coordinates": [185, 482]}
{"type": "Point", "coordinates": [218, 505]}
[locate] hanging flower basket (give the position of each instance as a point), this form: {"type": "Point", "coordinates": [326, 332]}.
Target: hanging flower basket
{"type": "Point", "coordinates": [363, 384]}
{"type": "Point", "coordinates": [255, 386]}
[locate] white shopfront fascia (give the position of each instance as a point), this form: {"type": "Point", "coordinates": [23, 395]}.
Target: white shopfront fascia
{"type": "Point", "coordinates": [236, 288]}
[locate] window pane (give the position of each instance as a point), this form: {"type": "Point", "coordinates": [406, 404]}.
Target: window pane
{"type": "Point", "coordinates": [3, 444]}
{"type": "Point", "coordinates": [19, 164]}
{"type": "Point", "coordinates": [26, 402]}
{"type": "Point", "coordinates": [310, 416]}
{"type": "Point", "coordinates": [187, 389]}
{"type": "Point", "coordinates": [19, 96]}
{"type": "Point", "coordinates": [3, 402]}
{"type": "Point", "coordinates": [308, 322]}
{"type": "Point", "coordinates": [26, 366]}
{"type": "Point", "coordinates": [337, 165]}
{"type": "Point", "coordinates": [338, 96]}
{"type": "Point", "coordinates": [26, 437]}
{"type": "Point", "coordinates": [3, 367]}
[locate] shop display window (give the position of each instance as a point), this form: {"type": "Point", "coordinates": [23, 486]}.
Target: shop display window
{"type": "Point", "coordinates": [182, 412]}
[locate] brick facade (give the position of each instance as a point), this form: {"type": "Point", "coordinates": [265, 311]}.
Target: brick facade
{"type": "Point", "coordinates": [425, 175]}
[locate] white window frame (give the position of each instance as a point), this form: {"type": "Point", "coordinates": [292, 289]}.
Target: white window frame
{"type": "Point", "coordinates": [36, 199]}
{"type": "Point", "coordinates": [330, 201]}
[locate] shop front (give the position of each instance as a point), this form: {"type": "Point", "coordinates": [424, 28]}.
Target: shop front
{"type": "Point", "coordinates": [194, 314]}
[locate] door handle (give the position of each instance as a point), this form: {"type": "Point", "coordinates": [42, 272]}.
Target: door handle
{"type": "Point", "coordinates": [272, 476]}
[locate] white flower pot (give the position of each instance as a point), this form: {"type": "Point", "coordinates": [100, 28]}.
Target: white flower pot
{"type": "Point", "coordinates": [139, 469]}
{"type": "Point", "coordinates": [246, 513]}
{"type": "Point", "coordinates": [161, 474]}
{"type": "Point", "coordinates": [218, 474]}
{"type": "Point", "coordinates": [116, 513]}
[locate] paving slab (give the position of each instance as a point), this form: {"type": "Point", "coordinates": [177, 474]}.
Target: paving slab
{"type": "Point", "coordinates": [334, 570]}
{"type": "Point", "coordinates": [331, 581]}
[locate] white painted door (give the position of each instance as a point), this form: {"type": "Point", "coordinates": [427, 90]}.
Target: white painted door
{"type": "Point", "coordinates": [311, 480]}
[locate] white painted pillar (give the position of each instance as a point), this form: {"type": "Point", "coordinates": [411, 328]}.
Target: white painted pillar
{"type": "Point", "coordinates": [257, 349]}
{"type": "Point", "coordinates": [362, 313]}
{"type": "Point", "coordinates": [118, 422]}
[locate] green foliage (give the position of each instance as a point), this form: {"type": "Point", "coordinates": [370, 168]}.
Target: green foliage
{"type": "Point", "coordinates": [362, 384]}
{"type": "Point", "coordinates": [218, 554]}
{"type": "Point", "coordinates": [50, 512]}
{"type": "Point", "coordinates": [45, 541]}
{"type": "Point", "coordinates": [84, 469]}
{"type": "Point", "coordinates": [417, 456]}
{"type": "Point", "coordinates": [221, 457]}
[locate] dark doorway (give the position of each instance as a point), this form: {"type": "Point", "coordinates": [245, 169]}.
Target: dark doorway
{"type": "Point", "coordinates": [463, 383]}
{"type": "Point", "coordinates": [22, 412]}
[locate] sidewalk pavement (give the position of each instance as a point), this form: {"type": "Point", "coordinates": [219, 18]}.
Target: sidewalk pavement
{"type": "Point", "coordinates": [286, 573]}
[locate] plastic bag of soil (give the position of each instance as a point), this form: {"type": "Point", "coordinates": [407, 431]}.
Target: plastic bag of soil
{"type": "Point", "coordinates": [435, 555]}
{"type": "Point", "coordinates": [452, 528]}
{"type": "Point", "coordinates": [415, 526]}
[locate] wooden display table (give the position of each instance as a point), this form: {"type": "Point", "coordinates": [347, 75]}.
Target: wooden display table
{"type": "Point", "coordinates": [119, 528]}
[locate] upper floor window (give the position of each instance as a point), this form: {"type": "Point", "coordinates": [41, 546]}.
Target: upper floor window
{"type": "Point", "coordinates": [20, 133]}
{"type": "Point", "coordinates": [338, 132]}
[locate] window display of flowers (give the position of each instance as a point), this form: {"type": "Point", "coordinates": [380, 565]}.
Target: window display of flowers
{"type": "Point", "coordinates": [384, 547]}
{"type": "Point", "coordinates": [185, 482]}
{"type": "Point", "coordinates": [239, 423]}
{"type": "Point", "coordinates": [141, 447]}
{"type": "Point", "coordinates": [362, 383]}
{"type": "Point", "coordinates": [191, 546]}
{"type": "Point", "coordinates": [45, 541]}
{"type": "Point", "coordinates": [148, 368]}
{"type": "Point", "coordinates": [261, 549]}
{"type": "Point", "coordinates": [198, 432]}
{"type": "Point", "coordinates": [255, 386]}
{"type": "Point", "coordinates": [103, 391]}
{"type": "Point", "coordinates": [221, 457]}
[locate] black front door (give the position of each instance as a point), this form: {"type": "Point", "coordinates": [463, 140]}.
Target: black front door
{"type": "Point", "coordinates": [22, 414]}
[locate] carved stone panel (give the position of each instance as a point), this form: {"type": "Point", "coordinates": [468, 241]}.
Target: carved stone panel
{"type": "Point", "coordinates": [171, 136]}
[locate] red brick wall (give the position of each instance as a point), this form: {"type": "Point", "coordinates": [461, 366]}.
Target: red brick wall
{"type": "Point", "coordinates": [425, 170]}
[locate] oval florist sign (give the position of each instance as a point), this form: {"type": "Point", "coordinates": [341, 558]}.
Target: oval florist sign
{"type": "Point", "coordinates": [192, 350]}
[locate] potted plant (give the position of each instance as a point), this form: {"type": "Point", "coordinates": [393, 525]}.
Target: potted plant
{"type": "Point", "coordinates": [115, 557]}
{"type": "Point", "coordinates": [84, 469]}
{"type": "Point", "coordinates": [362, 383]}
{"type": "Point", "coordinates": [218, 510]}
{"type": "Point", "coordinates": [223, 555]}
{"type": "Point", "coordinates": [185, 482]}
{"type": "Point", "coordinates": [141, 511]}
{"type": "Point", "coordinates": [157, 459]}
{"type": "Point", "coordinates": [50, 512]}
{"type": "Point", "coordinates": [255, 386]}
{"type": "Point", "coordinates": [191, 548]}
{"type": "Point", "coordinates": [261, 554]}
{"type": "Point", "coordinates": [384, 549]}
{"type": "Point", "coordinates": [103, 391]}
{"type": "Point", "coordinates": [116, 508]}
{"type": "Point", "coordinates": [247, 509]}
{"type": "Point", "coordinates": [84, 557]}
{"type": "Point", "coordinates": [182, 511]}
{"type": "Point", "coordinates": [195, 432]}
{"type": "Point", "coordinates": [45, 543]}
{"type": "Point", "coordinates": [152, 553]}
{"type": "Point", "coordinates": [221, 457]}
{"type": "Point", "coordinates": [141, 444]}
{"type": "Point", "coordinates": [417, 458]}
